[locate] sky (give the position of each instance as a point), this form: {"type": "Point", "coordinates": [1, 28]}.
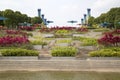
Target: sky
{"type": "Point", "coordinates": [60, 11]}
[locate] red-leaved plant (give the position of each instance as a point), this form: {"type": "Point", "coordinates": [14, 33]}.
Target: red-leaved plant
{"type": "Point", "coordinates": [109, 40]}
{"type": "Point", "coordinates": [27, 28]}
{"type": "Point", "coordinates": [82, 30]}
{"type": "Point", "coordinates": [8, 41]}
{"type": "Point", "coordinates": [16, 32]}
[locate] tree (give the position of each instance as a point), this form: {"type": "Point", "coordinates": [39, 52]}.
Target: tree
{"type": "Point", "coordinates": [100, 19]}
{"type": "Point", "coordinates": [111, 17]}
{"type": "Point", "coordinates": [91, 21]}
{"type": "Point", "coordinates": [1, 14]}
{"type": "Point", "coordinates": [36, 20]}
{"type": "Point", "coordinates": [11, 17]}
{"type": "Point", "coordinates": [117, 21]}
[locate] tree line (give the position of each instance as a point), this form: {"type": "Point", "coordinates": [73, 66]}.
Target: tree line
{"type": "Point", "coordinates": [16, 17]}
{"type": "Point", "coordinates": [111, 18]}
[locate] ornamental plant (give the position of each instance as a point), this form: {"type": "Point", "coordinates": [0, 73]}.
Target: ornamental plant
{"type": "Point", "coordinates": [38, 42]}
{"type": "Point", "coordinates": [18, 52]}
{"type": "Point", "coordinates": [44, 30]}
{"type": "Point", "coordinates": [56, 28]}
{"type": "Point", "coordinates": [82, 30]}
{"type": "Point", "coordinates": [63, 51]}
{"type": "Point", "coordinates": [87, 41]}
{"type": "Point", "coordinates": [8, 41]}
{"type": "Point", "coordinates": [107, 52]}
{"type": "Point", "coordinates": [16, 32]}
{"type": "Point", "coordinates": [64, 41]}
{"type": "Point", "coordinates": [117, 31]}
{"type": "Point", "coordinates": [26, 28]}
{"type": "Point", "coordinates": [109, 40]}
{"type": "Point", "coordinates": [62, 33]}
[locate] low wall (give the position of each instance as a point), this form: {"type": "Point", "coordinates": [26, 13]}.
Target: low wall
{"type": "Point", "coordinates": [59, 64]}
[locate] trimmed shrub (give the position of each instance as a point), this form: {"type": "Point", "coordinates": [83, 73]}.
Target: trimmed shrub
{"type": "Point", "coordinates": [38, 42]}
{"type": "Point", "coordinates": [107, 52]}
{"type": "Point", "coordinates": [64, 41]}
{"type": "Point", "coordinates": [18, 52]}
{"type": "Point", "coordinates": [86, 41]}
{"type": "Point", "coordinates": [101, 30]}
{"type": "Point", "coordinates": [64, 51]}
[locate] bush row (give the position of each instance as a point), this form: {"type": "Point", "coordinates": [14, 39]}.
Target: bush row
{"type": "Point", "coordinates": [86, 41]}
{"type": "Point", "coordinates": [18, 52]}
{"type": "Point", "coordinates": [101, 30]}
{"type": "Point", "coordinates": [64, 41]}
{"type": "Point", "coordinates": [107, 52]}
{"type": "Point", "coordinates": [38, 42]}
{"type": "Point", "coordinates": [64, 51]}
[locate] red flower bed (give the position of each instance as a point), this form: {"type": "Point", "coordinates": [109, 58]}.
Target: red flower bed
{"type": "Point", "coordinates": [109, 40]}
{"type": "Point", "coordinates": [16, 32]}
{"type": "Point", "coordinates": [13, 41]}
{"type": "Point", "coordinates": [27, 28]}
{"type": "Point", "coordinates": [82, 30]}
{"type": "Point", "coordinates": [52, 29]}
{"type": "Point", "coordinates": [117, 31]}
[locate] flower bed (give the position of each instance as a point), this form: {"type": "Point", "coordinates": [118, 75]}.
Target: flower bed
{"type": "Point", "coordinates": [82, 30]}
{"type": "Point", "coordinates": [101, 30]}
{"type": "Point", "coordinates": [64, 41]}
{"type": "Point", "coordinates": [16, 32]}
{"type": "Point", "coordinates": [38, 42]}
{"type": "Point", "coordinates": [86, 41]}
{"type": "Point", "coordinates": [18, 52]}
{"type": "Point", "coordinates": [63, 51]}
{"type": "Point", "coordinates": [26, 28]}
{"type": "Point", "coordinates": [62, 34]}
{"type": "Point", "coordinates": [109, 40]}
{"type": "Point", "coordinates": [107, 52]}
{"type": "Point", "coordinates": [8, 41]}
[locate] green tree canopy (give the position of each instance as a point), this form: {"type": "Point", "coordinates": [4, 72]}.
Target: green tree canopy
{"type": "Point", "coordinates": [112, 17]}
{"type": "Point", "coordinates": [36, 20]}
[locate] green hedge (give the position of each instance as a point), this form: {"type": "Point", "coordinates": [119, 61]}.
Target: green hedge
{"type": "Point", "coordinates": [24, 46]}
{"type": "Point", "coordinates": [64, 51]}
{"type": "Point", "coordinates": [18, 52]}
{"type": "Point", "coordinates": [64, 41]}
{"type": "Point", "coordinates": [38, 42]}
{"type": "Point", "coordinates": [107, 52]}
{"type": "Point", "coordinates": [101, 30]}
{"type": "Point", "coordinates": [87, 41]}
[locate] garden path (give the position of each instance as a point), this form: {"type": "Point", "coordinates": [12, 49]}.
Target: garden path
{"type": "Point", "coordinates": [82, 50]}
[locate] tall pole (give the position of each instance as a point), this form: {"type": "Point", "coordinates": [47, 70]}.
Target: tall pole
{"type": "Point", "coordinates": [89, 12]}
{"type": "Point", "coordinates": [82, 21]}
{"type": "Point", "coordinates": [39, 12]}
{"type": "Point", "coordinates": [45, 21]}
{"type": "Point", "coordinates": [43, 18]}
{"type": "Point", "coordinates": [85, 20]}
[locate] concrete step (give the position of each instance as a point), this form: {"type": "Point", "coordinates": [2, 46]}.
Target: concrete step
{"type": "Point", "coordinates": [61, 64]}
